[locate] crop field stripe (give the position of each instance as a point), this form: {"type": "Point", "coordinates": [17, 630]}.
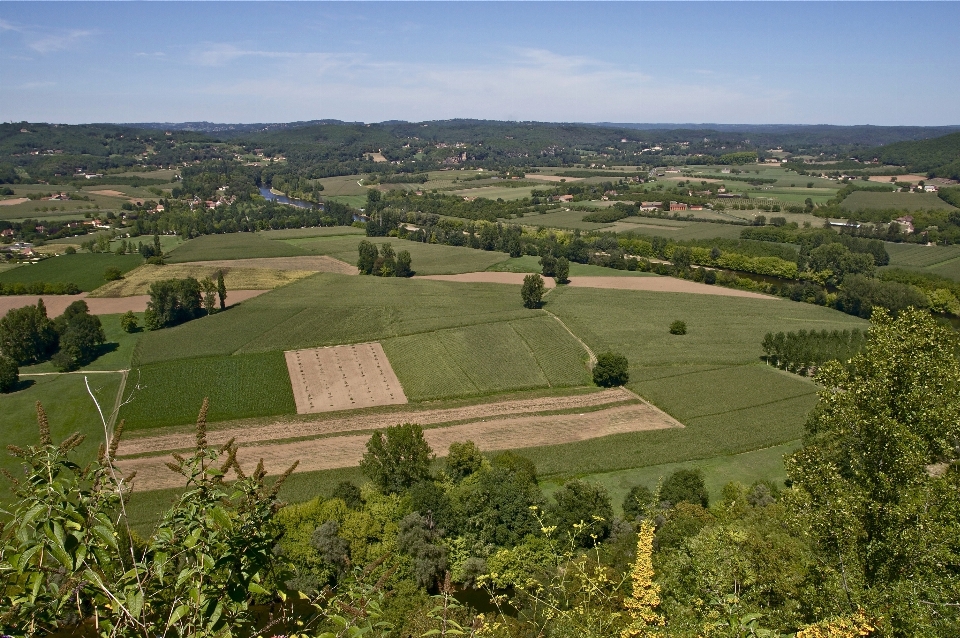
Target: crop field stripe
{"type": "Point", "coordinates": [694, 417]}
{"type": "Point", "coordinates": [531, 352]}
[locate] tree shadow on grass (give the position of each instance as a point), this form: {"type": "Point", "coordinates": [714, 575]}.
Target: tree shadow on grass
{"type": "Point", "coordinates": [104, 348]}
{"type": "Point", "coordinates": [23, 384]}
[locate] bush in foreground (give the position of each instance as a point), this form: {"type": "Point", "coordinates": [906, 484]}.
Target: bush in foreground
{"type": "Point", "coordinates": [678, 328]}
{"type": "Point", "coordinates": [611, 370]}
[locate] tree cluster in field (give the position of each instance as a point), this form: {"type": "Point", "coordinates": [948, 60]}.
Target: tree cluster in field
{"type": "Point", "coordinates": [175, 301]}
{"type": "Point", "coordinates": [804, 352]}
{"type": "Point", "coordinates": [28, 336]}
{"type": "Point", "coordinates": [860, 543]}
{"type": "Point", "coordinates": [383, 263]}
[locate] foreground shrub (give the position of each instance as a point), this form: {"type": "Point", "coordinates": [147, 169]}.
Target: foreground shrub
{"type": "Point", "coordinates": [678, 328]}
{"type": "Point", "coordinates": [611, 370]}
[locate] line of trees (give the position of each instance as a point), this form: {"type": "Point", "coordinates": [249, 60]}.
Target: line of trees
{"type": "Point", "coordinates": [803, 352]}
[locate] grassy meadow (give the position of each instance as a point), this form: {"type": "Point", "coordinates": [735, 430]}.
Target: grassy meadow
{"type": "Point", "coordinates": [83, 269]}
{"type": "Point", "coordinates": [232, 246]}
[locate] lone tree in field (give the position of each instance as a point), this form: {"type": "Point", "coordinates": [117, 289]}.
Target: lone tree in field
{"type": "Point", "coordinates": [562, 270]}
{"type": "Point", "coordinates": [27, 335]}
{"type": "Point", "coordinates": [532, 291]}
{"type": "Point", "coordinates": [221, 290]}
{"type": "Point", "coordinates": [611, 370]}
{"type": "Point", "coordinates": [368, 256]}
{"type": "Point", "coordinates": [678, 328]}
{"type": "Point", "coordinates": [397, 458]}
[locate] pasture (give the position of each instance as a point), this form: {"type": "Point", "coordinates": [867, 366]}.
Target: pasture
{"type": "Point", "coordinates": [676, 229]}
{"type": "Point", "coordinates": [505, 193]}
{"type": "Point", "coordinates": [860, 200]}
{"type": "Point", "coordinates": [232, 246]}
{"type": "Point", "coordinates": [83, 269]}
{"type": "Point", "coordinates": [529, 263]}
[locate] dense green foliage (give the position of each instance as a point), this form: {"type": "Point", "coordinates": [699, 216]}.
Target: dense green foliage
{"type": "Point", "coordinates": [678, 327]}
{"type": "Point", "coordinates": [173, 301]}
{"type": "Point", "coordinates": [611, 369]}
{"type": "Point", "coordinates": [9, 374]}
{"type": "Point", "coordinates": [940, 157]}
{"type": "Point", "coordinates": [397, 458]}
{"type": "Point", "coordinates": [80, 335]}
{"type": "Point", "coordinates": [27, 335]}
{"type": "Point", "coordinates": [532, 291]}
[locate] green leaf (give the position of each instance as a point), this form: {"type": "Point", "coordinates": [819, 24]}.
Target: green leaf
{"type": "Point", "coordinates": [178, 613]}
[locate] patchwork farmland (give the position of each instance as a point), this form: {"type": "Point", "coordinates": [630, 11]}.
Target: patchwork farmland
{"type": "Point", "coordinates": [357, 349]}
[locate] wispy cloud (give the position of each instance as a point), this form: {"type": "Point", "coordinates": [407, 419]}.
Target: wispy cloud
{"type": "Point", "coordinates": [510, 83]}
{"type": "Point", "coordinates": [58, 41]}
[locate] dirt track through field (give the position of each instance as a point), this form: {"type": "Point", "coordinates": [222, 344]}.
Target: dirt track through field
{"type": "Point", "coordinates": [316, 263]}
{"type": "Point", "coordinates": [661, 284]}
{"type": "Point", "coordinates": [366, 422]}
{"type": "Point", "coordinates": [496, 433]}
{"type": "Point", "coordinates": [56, 304]}
{"type": "Point", "coordinates": [489, 277]}
{"type": "Point", "coordinates": [652, 284]}
{"type": "Point", "coordinates": [14, 202]}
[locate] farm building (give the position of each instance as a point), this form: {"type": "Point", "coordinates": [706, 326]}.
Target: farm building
{"type": "Point", "coordinates": [678, 206]}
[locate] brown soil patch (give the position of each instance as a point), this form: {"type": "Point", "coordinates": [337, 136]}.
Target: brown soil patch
{"type": "Point", "coordinates": [137, 281]}
{"type": "Point", "coordinates": [552, 178]}
{"type": "Point", "coordinates": [14, 202]}
{"type": "Point", "coordinates": [510, 432]}
{"type": "Point", "coordinates": [56, 304]}
{"type": "Point", "coordinates": [486, 277]}
{"type": "Point", "coordinates": [885, 179]}
{"type": "Point", "coordinates": [313, 263]}
{"type": "Point", "coordinates": [661, 284]}
{"type": "Point", "coordinates": [109, 193]}
{"type": "Point", "coordinates": [323, 426]}
{"type": "Point", "coordinates": [342, 378]}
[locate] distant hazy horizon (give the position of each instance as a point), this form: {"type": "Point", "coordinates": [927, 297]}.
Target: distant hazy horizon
{"type": "Point", "coordinates": [856, 63]}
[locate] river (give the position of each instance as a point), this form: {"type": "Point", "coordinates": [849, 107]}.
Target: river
{"type": "Point", "coordinates": [283, 199]}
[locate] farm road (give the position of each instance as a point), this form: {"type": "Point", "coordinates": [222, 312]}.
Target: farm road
{"type": "Point", "coordinates": [652, 284]}
{"type": "Point", "coordinates": [56, 304]}
{"type": "Point", "coordinates": [502, 433]}
{"type": "Point", "coordinates": [365, 422]}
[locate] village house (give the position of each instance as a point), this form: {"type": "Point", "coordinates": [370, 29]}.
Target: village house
{"type": "Point", "coordinates": [564, 198]}
{"type": "Point", "coordinates": [677, 206]}
{"type": "Point", "coordinates": [651, 205]}
{"type": "Point", "coordinates": [905, 223]}
{"type": "Point", "coordinates": [930, 188]}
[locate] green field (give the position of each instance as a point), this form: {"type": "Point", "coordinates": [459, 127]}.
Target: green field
{"type": "Point", "coordinates": [301, 233]}
{"type": "Point", "coordinates": [427, 259]}
{"type": "Point", "coordinates": [860, 200]}
{"type": "Point", "coordinates": [83, 269]}
{"type": "Point", "coordinates": [328, 309]}
{"type": "Point", "coordinates": [506, 193]}
{"type": "Point", "coordinates": [487, 358]}
{"type": "Point", "coordinates": [936, 260]}
{"type": "Point", "coordinates": [676, 229]}
{"type": "Point", "coordinates": [920, 256]}
{"type": "Point", "coordinates": [239, 386]}
{"type": "Point", "coordinates": [232, 246]}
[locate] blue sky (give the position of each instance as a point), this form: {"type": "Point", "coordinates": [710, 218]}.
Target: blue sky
{"type": "Point", "coordinates": [887, 63]}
